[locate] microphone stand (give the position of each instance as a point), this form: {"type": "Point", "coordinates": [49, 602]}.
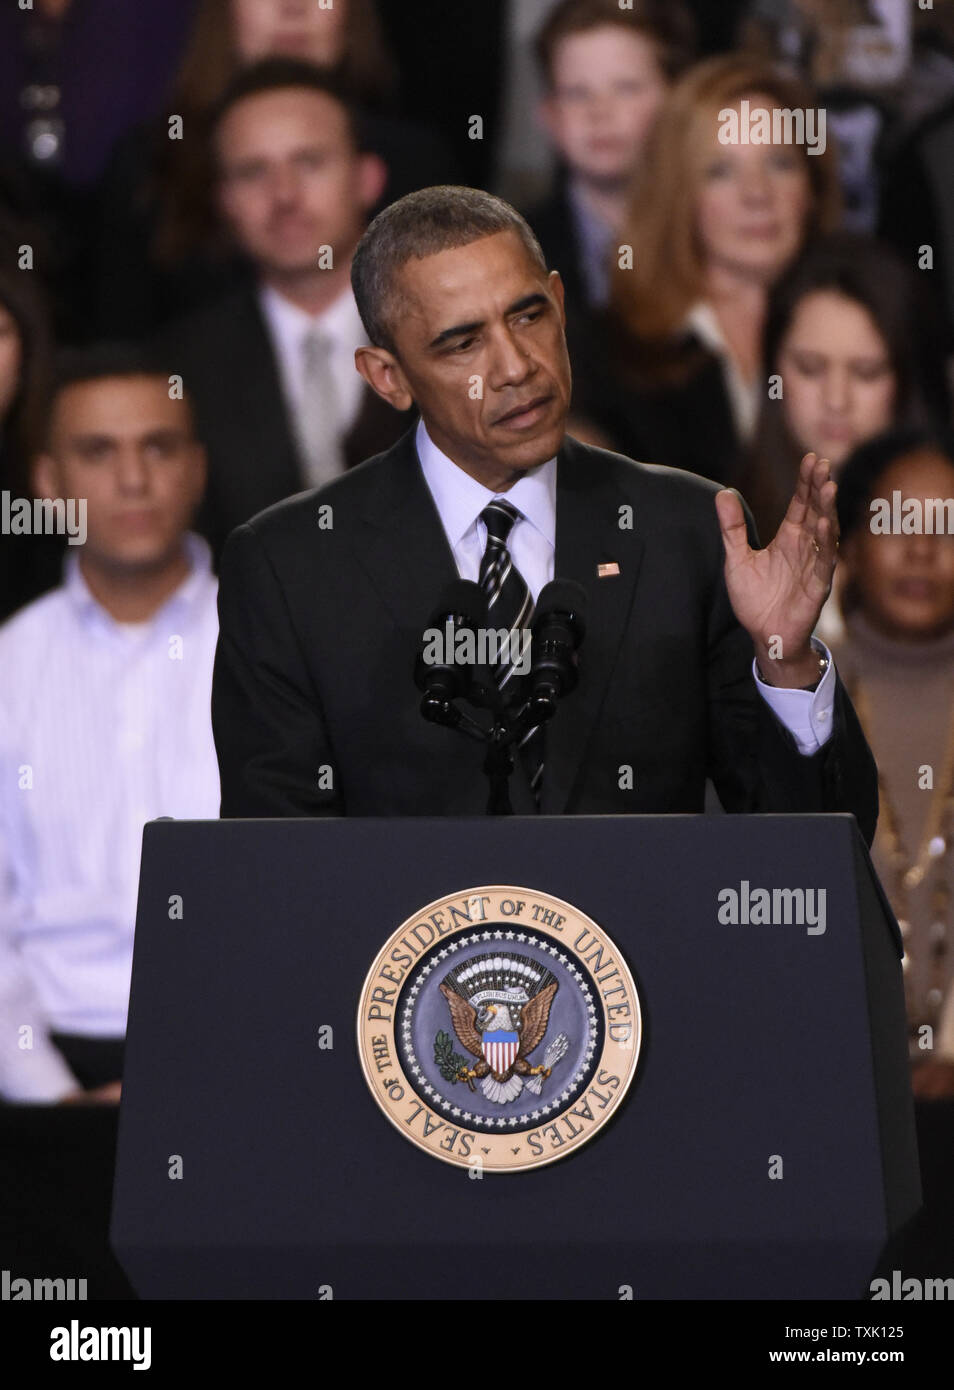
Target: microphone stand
{"type": "Point", "coordinates": [558, 631]}
{"type": "Point", "coordinates": [498, 765]}
{"type": "Point", "coordinates": [500, 738]}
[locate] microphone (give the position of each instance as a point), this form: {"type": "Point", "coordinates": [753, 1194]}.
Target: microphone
{"type": "Point", "coordinates": [438, 673]}
{"type": "Point", "coordinates": [559, 625]}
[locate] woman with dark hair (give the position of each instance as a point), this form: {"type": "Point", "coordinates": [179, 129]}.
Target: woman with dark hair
{"type": "Point", "coordinates": [162, 250]}
{"type": "Point", "coordinates": [851, 349]}
{"type": "Point", "coordinates": [896, 659]}
{"type": "Point", "coordinates": [28, 564]}
{"type": "Point", "coordinates": [674, 373]}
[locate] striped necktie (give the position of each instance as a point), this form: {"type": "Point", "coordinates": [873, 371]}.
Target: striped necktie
{"type": "Point", "coordinates": [509, 608]}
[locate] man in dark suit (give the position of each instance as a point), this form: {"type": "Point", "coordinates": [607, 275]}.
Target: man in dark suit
{"type": "Point", "coordinates": [270, 367]}
{"type": "Point", "coordinates": [323, 598]}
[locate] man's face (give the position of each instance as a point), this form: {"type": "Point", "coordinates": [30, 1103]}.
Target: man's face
{"type": "Point", "coordinates": [291, 180]}
{"type": "Point", "coordinates": [607, 88]}
{"type": "Point", "coordinates": [301, 28]}
{"type": "Point", "coordinates": [481, 346]}
{"type": "Point", "coordinates": [128, 449]}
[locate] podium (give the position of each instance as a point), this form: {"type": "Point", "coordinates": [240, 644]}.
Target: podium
{"type": "Point", "coordinates": [764, 1149]}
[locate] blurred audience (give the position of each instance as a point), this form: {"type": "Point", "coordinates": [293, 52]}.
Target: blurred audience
{"type": "Point", "coordinates": [672, 371]}
{"type": "Point", "coordinates": [522, 164]}
{"type": "Point", "coordinates": [897, 661]}
{"type": "Point", "coordinates": [161, 252]}
{"type": "Point", "coordinates": [853, 52]}
{"type": "Point", "coordinates": [851, 349]}
{"type": "Point", "coordinates": [74, 76]}
{"type": "Point", "coordinates": [104, 721]}
{"type": "Point", "coordinates": [917, 206]}
{"type": "Point", "coordinates": [605, 73]}
{"type": "Point", "coordinates": [57, 113]}
{"type": "Point", "coordinates": [270, 367]}
{"type": "Point", "coordinates": [29, 564]}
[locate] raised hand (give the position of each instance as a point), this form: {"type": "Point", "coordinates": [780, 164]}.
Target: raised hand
{"type": "Point", "coordinates": [777, 593]}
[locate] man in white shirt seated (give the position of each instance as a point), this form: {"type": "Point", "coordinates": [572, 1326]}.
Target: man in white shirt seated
{"type": "Point", "coordinates": [104, 721]}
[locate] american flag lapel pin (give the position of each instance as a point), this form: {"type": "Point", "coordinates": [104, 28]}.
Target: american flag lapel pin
{"type": "Point", "coordinates": [604, 571]}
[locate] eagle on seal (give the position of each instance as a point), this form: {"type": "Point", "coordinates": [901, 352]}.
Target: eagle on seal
{"type": "Point", "coordinates": [502, 1067]}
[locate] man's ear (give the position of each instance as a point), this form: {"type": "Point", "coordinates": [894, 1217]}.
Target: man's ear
{"type": "Point", "coordinates": [383, 373]}
{"type": "Point", "coordinates": [45, 476]}
{"type": "Point", "coordinates": [373, 177]}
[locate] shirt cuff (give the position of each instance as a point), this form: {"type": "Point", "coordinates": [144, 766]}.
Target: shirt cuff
{"type": "Point", "coordinates": [38, 1075]}
{"type": "Point", "coordinates": [807, 714]}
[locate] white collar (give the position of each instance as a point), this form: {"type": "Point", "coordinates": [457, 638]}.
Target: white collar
{"type": "Point", "coordinates": [704, 322]}
{"type": "Point", "coordinates": [182, 599]}
{"type": "Point", "coordinates": [460, 499]}
{"type": "Point", "coordinates": [290, 323]}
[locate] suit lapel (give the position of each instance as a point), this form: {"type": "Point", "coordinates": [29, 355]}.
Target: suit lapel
{"type": "Point", "coordinates": [404, 549]}
{"type": "Point", "coordinates": [258, 382]}
{"type": "Point", "coordinates": [403, 546]}
{"type": "Point", "coordinates": [588, 534]}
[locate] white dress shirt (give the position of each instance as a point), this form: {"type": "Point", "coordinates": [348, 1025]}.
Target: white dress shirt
{"type": "Point", "coordinates": [289, 326]}
{"type": "Point", "coordinates": [103, 726]}
{"type": "Point", "coordinates": [460, 499]}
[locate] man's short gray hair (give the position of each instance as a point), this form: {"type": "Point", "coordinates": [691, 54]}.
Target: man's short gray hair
{"type": "Point", "coordinates": [421, 224]}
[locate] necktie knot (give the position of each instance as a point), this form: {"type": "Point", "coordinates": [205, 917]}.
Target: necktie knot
{"type": "Point", "coordinates": [499, 519]}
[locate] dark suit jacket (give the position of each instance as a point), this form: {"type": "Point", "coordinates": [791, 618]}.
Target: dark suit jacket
{"type": "Point", "coordinates": [29, 565]}
{"type": "Point", "coordinates": [320, 629]}
{"type": "Point", "coordinates": [228, 366]}
{"type": "Point", "coordinates": [686, 423]}
{"type": "Point", "coordinates": [451, 59]}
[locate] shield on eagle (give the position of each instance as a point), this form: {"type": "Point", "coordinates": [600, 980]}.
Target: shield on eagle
{"type": "Point", "coordinates": [500, 1050]}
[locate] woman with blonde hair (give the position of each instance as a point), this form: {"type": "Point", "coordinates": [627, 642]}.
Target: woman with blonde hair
{"type": "Point", "coordinates": [737, 179]}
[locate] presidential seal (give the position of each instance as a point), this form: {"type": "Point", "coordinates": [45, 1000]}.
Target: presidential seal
{"type": "Point", "coordinates": [499, 1027]}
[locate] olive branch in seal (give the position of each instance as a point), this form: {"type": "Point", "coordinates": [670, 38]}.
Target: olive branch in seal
{"type": "Point", "coordinates": [448, 1061]}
